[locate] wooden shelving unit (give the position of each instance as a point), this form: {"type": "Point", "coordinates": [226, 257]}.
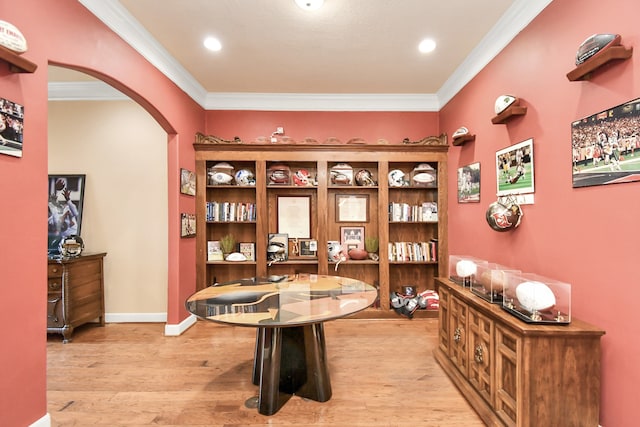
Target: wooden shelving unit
{"type": "Point", "coordinates": [584, 70]}
{"type": "Point", "coordinates": [318, 159]}
{"type": "Point", "coordinates": [461, 140]}
{"type": "Point", "coordinates": [17, 63]}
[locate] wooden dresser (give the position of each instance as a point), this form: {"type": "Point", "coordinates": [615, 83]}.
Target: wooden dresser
{"type": "Point", "coordinates": [514, 373]}
{"type": "Point", "coordinates": [75, 293]}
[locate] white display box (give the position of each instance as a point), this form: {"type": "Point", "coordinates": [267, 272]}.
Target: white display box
{"type": "Point", "coordinates": [463, 269]}
{"type": "Point", "coordinates": [537, 299]}
{"type": "Point", "coordinates": [490, 280]}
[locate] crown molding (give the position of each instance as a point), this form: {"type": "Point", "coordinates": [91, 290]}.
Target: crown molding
{"type": "Point", "coordinates": [514, 20]}
{"type": "Point", "coordinates": [119, 20]}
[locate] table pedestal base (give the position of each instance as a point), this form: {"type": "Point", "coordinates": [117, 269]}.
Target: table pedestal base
{"type": "Point", "coordinates": [290, 361]}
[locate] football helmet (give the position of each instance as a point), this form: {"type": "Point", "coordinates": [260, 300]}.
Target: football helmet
{"type": "Point", "coordinates": [364, 178]}
{"type": "Point", "coordinates": [244, 177]}
{"type": "Point", "coordinates": [396, 178]}
{"type": "Point", "coordinates": [504, 217]}
{"type": "Point", "coordinates": [301, 178]}
{"type": "Point", "coordinates": [71, 246]}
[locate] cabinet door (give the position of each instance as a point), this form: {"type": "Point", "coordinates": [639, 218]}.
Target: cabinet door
{"type": "Point", "coordinates": [508, 348]}
{"type": "Point", "coordinates": [458, 334]}
{"type": "Point", "coordinates": [443, 335]}
{"type": "Point", "coordinates": [481, 332]}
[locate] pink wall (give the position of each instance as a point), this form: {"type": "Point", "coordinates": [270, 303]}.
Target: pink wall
{"type": "Point", "coordinates": [64, 32]}
{"type": "Point", "coordinates": [371, 126]}
{"type": "Point", "coordinates": [587, 237]}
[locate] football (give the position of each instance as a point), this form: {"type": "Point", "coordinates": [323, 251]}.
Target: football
{"type": "Point", "coordinates": [221, 178]}
{"type": "Point", "coordinates": [424, 178]}
{"type": "Point", "coordinates": [504, 101]}
{"type": "Point", "coordinates": [594, 44]}
{"type": "Point", "coordinates": [535, 296]}
{"type": "Point", "coordinates": [12, 38]}
{"type": "Point", "coordinates": [461, 131]}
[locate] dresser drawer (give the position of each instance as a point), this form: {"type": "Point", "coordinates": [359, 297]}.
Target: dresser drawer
{"type": "Point", "coordinates": [54, 270]}
{"type": "Point", "coordinates": [54, 284]}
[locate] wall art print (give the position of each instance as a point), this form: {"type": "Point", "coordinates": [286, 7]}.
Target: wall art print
{"type": "Point", "coordinates": [66, 197]}
{"type": "Point", "coordinates": [11, 128]}
{"type": "Point", "coordinates": [605, 146]}
{"type": "Point", "coordinates": [514, 169]}
{"type": "Point", "coordinates": [469, 183]}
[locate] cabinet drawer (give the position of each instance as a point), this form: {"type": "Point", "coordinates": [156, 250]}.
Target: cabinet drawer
{"type": "Point", "coordinates": [54, 285]}
{"type": "Point", "coordinates": [54, 270]}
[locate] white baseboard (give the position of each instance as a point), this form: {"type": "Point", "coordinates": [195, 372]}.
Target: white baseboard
{"type": "Point", "coordinates": [135, 317]}
{"type": "Point", "coordinates": [176, 330]}
{"type": "Point", "coordinates": [43, 422]}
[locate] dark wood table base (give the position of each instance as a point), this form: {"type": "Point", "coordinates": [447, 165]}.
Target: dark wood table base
{"type": "Point", "coordinates": [288, 361]}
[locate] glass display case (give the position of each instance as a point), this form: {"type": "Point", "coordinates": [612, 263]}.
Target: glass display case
{"type": "Point", "coordinates": [489, 281]}
{"type": "Point", "coordinates": [463, 269]}
{"type": "Point", "coordinates": [537, 299]}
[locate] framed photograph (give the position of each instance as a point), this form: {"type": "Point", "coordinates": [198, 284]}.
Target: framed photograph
{"type": "Point", "coordinates": [352, 208]}
{"type": "Point", "coordinates": [604, 146]}
{"type": "Point", "coordinates": [308, 248]}
{"type": "Point", "coordinates": [187, 182]}
{"type": "Point", "coordinates": [278, 247]}
{"type": "Point", "coordinates": [187, 225]}
{"type": "Point", "coordinates": [352, 238]}
{"type": "Point", "coordinates": [294, 216]}
{"type": "Point", "coordinates": [469, 183]}
{"type": "Point", "coordinates": [11, 127]}
{"type": "Point", "coordinates": [66, 198]}
{"type": "Point", "coordinates": [514, 169]}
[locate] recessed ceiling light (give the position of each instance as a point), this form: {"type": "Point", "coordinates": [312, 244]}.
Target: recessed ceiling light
{"type": "Point", "coordinates": [213, 44]}
{"type": "Point", "coordinates": [427, 45]}
{"type": "Point", "coordinates": [310, 4]}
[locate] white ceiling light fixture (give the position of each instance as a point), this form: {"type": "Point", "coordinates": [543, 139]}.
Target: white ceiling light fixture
{"type": "Point", "coordinates": [310, 4]}
{"type": "Point", "coordinates": [212, 44]}
{"type": "Point", "coordinates": [427, 45]}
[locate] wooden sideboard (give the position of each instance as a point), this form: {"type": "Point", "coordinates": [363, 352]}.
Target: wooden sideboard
{"type": "Point", "coordinates": [514, 373]}
{"type": "Point", "coordinates": [75, 293]}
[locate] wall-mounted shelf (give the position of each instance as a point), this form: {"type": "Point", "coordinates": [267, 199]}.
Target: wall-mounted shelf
{"type": "Point", "coordinates": [463, 139]}
{"type": "Point", "coordinates": [508, 114]}
{"type": "Point", "coordinates": [17, 63]}
{"type": "Point", "coordinates": [584, 70]}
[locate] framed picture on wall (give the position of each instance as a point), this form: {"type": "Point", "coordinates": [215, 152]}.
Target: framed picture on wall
{"type": "Point", "coordinates": [11, 127]}
{"type": "Point", "coordinates": [604, 146]}
{"type": "Point", "coordinates": [352, 238]}
{"type": "Point", "coordinates": [187, 182]}
{"type": "Point", "coordinates": [469, 183]}
{"type": "Point", "coordinates": [187, 225]}
{"type": "Point", "coordinates": [66, 199]}
{"type": "Point", "coordinates": [514, 169]}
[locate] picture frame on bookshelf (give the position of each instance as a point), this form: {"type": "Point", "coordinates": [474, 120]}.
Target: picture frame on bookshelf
{"type": "Point", "coordinates": [187, 225]}
{"type": "Point", "coordinates": [352, 238]}
{"type": "Point", "coordinates": [278, 247]}
{"type": "Point", "coordinates": [469, 183]}
{"type": "Point", "coordinates": [294, 216]}
{"type": "Point", "coordinates": [308, 248]}
{"type": "Point", "coordinates": [248, 249]}
{"type": "Point", "coordinates": [187, 182]}
{"type": "Point", "coordinates": [352, 208]}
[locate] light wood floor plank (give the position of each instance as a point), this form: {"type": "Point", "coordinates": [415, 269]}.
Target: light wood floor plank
{"type": "Point", "coordinates": [382, 374]}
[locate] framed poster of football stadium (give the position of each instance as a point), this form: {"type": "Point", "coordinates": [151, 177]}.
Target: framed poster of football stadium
{"type": "Point", "coordinates": [604, 146]}
{"type": "Point", "coordinates": [514, 169]}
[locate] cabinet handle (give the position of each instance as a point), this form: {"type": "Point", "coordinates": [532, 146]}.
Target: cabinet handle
{"type": "Point", "coordinates": [457, 334]}
{"type": "Point", "coordinates": [478, 354]}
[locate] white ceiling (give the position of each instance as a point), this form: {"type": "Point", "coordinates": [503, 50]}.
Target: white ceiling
{"type": "Point", "coordinates": [348, 55]}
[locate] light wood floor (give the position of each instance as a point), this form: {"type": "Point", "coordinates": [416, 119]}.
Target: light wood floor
{"type": "Point", "coordinates": [382, 374]}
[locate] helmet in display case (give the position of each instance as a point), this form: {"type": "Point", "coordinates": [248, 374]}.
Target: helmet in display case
{"type": "Point", "coordinates": [244, 177]}
{"type": "Point", "coordinates": [364, 178]}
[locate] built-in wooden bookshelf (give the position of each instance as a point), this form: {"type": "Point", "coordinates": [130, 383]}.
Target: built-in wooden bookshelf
{"type": "Point", "coordinates": [323, 191]}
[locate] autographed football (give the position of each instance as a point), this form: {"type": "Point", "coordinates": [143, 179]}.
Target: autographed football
{"type": "Point", "coordinates": [594, 44]}
{"type": "Point", "coordinates": [504, 101]}
{"type": "Point", "coordinates": [12, 38]}
{"type": "Point", "coordinates": [461, 131]}
{"type": "Point", "coordinates": [535, 296]}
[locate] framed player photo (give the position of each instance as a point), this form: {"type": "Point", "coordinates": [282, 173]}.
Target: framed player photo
{"type": "Point", "coordinates": [514, 169]}
{"type": "Point", "coordinates": [469, 183]}
{"type": "Point", "coordinates": [604, 146]}
{"type": "Point", "coordinates": [66, 199]}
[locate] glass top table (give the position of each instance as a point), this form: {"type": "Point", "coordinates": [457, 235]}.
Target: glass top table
{"type": "Point", "coordinates": [288, 312]}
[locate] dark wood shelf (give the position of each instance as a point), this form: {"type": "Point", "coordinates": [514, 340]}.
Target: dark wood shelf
{"type": "Point", "coordinates": [508, 114]}
{"type": "Point", "coordinates": [461, 140]}
{"type": "Point", "coordinates": [17, 63]}
{"type": "Point", "coordinates": [584, 70]}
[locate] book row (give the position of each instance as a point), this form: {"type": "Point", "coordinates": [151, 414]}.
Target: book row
{"type": "Point", "coordinates": [414, 251]}
{"type": "Point", "coordinates": [404, 212]}
{"type": "Point", "coordinates": [229, 211]}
